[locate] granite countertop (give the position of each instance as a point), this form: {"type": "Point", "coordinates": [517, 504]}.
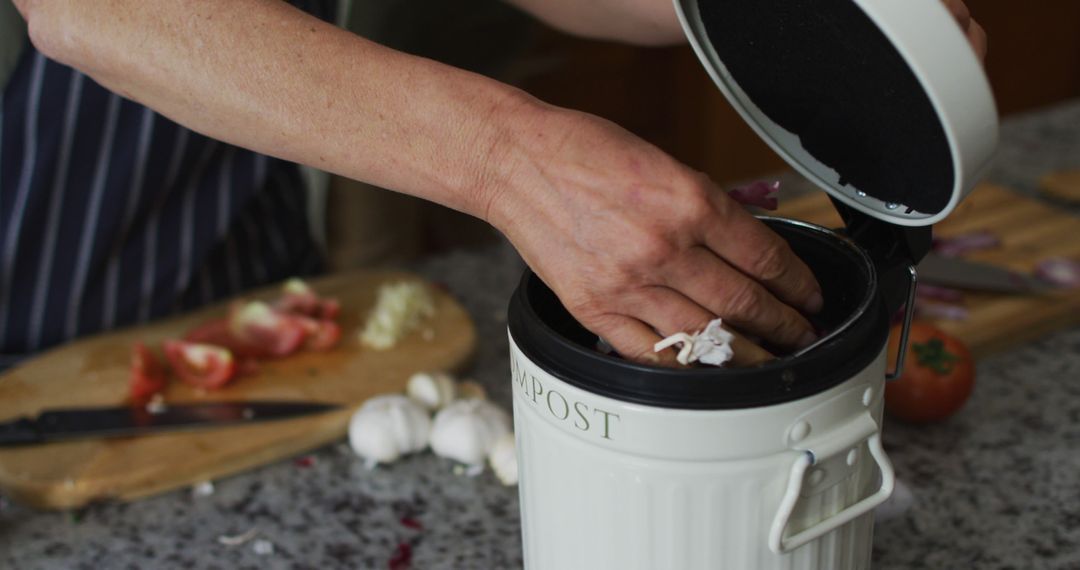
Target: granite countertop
{"type": "Point", "coordinates": [996, 487]}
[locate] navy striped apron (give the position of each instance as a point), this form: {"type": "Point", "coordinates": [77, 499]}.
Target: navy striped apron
{"type": "Point", "coordinates": [111, 214]}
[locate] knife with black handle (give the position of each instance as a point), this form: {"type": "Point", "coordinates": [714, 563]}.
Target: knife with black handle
{"type": "Point", "coordinates": [19, 432]}
{"type": "Point", "coordinates": [121, 421]}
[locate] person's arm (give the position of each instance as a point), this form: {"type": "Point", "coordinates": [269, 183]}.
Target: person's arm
{"type": "Point", "coordinates": [633, 243]}
{"type": "Point", "coordinates": [266, 76]}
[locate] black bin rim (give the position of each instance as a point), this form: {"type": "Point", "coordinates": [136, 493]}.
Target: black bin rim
{"type": "Point", "coordinates": [847, 350]}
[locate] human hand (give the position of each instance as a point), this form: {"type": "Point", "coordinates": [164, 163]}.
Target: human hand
{"type": "Point", "coordinates": [975, 33]}
{"type": "Point", "coordinates": [638, 246]}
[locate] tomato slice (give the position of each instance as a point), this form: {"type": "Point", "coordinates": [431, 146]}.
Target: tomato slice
{"type": "Point", "coordinates": [298, 298]}
{"type": "Point", "coordinates": [201, 365]}
{"type": "Point", "coordinates": [322, 335]}
{"type": "Point", "coordinates": [218, 333]}
{"type": "Point", "coordinates": [277, 334]}
{"type": "Point", "coordinates": [147, 374]}
{"type": "Point", "coordinates": [330, 309]}
{"type": "Point", "coordinates": [298, 304]}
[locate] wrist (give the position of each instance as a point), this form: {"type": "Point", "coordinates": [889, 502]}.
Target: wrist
{"type": "Point", "coordinates": [510, 129]}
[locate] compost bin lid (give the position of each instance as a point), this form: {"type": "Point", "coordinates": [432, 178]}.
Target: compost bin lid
{"type": "Point", "coordinates": [882, 103]}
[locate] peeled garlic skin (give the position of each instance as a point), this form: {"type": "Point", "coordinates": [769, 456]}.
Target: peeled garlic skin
{"type": "Point", "coordinates": [434, 390]}
{"type": "Point", "coordinates": [387, 427]}
{"type": "Point", "coordinates": [466, 430]}
{"type": "Point", "coordinates": [503, 460]}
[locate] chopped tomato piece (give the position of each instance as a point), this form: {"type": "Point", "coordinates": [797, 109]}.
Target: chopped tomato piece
{"type": "Point", "coordinates": [323, 335]}
{"type": "Point", "coordinates": [330, 309]}
{"type": "Point", "coordinates": [201, 365]}
{"type": "Point", "coordinates": [147, 374]}
{"type": "Point", "coordinates": [299, 298]}
{"type": "Point", "coordinates": [218, 333]}
{"type": "Point", "coordinates": [298, 304]}
{"type": "Point", "coordinates": [246, 366]}
{"type": "Point", "coordinates": [256, 324]}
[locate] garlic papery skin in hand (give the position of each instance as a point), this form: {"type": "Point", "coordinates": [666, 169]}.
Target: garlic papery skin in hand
{"type": "Point", "coordinates": [387, 427]}
{"type": "Point", "coordinates": [503, 459]}
{"type": "Point", "coordinates": [710, 346]}
{"type": "Point", "coordinates": [434, 390]}
{"type": "Point", "coordinates": [466, 430]}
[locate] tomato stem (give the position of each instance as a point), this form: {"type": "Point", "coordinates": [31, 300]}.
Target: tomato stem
{"type": "Point", "coordinates": [932, 355]}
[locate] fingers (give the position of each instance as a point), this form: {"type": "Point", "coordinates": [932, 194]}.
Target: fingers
{"type": "Point", "coordinates": [977, 37]}
{"type": "Point", "coordinates": [748, 245]}
{"type": "Point", "coordinates": [669, 313]}
{"type": "Point", "coordinates": [632, 339]}
{"type": "Point", "coordinates": [742, 303]}
{"type": "Point", "coordinates": [960, 12]}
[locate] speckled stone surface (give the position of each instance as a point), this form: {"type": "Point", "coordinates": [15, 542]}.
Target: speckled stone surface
{"type": "Point", "coordinates": [996, 487]}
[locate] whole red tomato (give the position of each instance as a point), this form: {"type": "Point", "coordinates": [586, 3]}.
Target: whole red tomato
{"type": "Point", "coordinates": [938, 375]}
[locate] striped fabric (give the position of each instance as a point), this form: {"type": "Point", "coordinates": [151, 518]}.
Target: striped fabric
{"type": "Point", "coordinates": [111, 214]}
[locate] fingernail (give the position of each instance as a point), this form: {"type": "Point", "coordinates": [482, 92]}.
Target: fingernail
{"type": "Point", "coordinates": [807, 339]}
{"type": "Point", "coordinates": [816, 303]}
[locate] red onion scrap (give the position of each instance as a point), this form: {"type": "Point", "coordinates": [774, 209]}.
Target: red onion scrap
{"type": "Point", "coordinates": [941, 311]}
{"type": "Point", "coordinates": [402, 557]}
{"type": "Point", "coordinates": [1059, 271]}
{"type": "Point", "coordinates": [761, 194]}
{"type": "Point", "coordinates": [304, 462]}
{"type": "Point", "coordinates": [954, 246]}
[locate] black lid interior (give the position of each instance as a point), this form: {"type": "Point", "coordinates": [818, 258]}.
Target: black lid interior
{"type": "Point", "coordinates": [823, 70]}
{"type": "Point", "coordinates": [551, 338]}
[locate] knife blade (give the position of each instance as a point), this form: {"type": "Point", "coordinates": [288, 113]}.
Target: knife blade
{"type": "Point", "coordinates": [965, 274]}
{"type": "Point", "coordinates": [118, 421]}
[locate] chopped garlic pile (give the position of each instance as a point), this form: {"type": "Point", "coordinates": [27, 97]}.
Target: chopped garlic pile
{"type": "Point", "coordinates": [399, 308]}
{"type": "Point", "coordinates": [710, 346]}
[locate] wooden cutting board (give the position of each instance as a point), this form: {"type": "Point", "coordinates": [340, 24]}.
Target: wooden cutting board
{"type": "Point", "coordinates": [1029, 230]}
{"type": "Point", "coordinates": [94, 371]}
{"type": "Point", "coordinates": [1064, 185]}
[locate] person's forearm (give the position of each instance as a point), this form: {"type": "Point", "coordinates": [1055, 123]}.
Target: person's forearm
{"type": "Point", "coordinates": [260, 74]}
{"type": "Point", "coordinates": [643, 22]}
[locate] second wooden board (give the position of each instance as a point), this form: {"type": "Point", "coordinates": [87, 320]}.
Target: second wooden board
{"type": "Point", "coordinates": [1030, 231]}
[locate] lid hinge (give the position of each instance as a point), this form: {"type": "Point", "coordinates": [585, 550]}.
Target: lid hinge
{"type": "Point", "coordinates": [894, 250]}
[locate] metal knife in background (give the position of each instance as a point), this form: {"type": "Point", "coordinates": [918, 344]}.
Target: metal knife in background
{"type": "Point", "coordinates": [79, 423]}
{"type": "Point", "coordinates": [963, 274]}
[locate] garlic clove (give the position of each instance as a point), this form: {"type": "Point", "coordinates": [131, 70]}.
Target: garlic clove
{"type": "Point", "coordinates": [503, 459]}
{"type": "Point", "coordinates": [387, 427]}
{"type": "Point", "coordinates": [432, 389]}
{"type": "Point", "coordinates": [466, 430]}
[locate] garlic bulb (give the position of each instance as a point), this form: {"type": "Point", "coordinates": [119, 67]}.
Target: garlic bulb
{"type": "Point", "coordinates": [434, 390]}
{"type": "Point", "coordinates": [503, 460]}
{"type": "Point", "coordinates": [387, 427]}
{"type": "Point", "coordinates": [466, 430]}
